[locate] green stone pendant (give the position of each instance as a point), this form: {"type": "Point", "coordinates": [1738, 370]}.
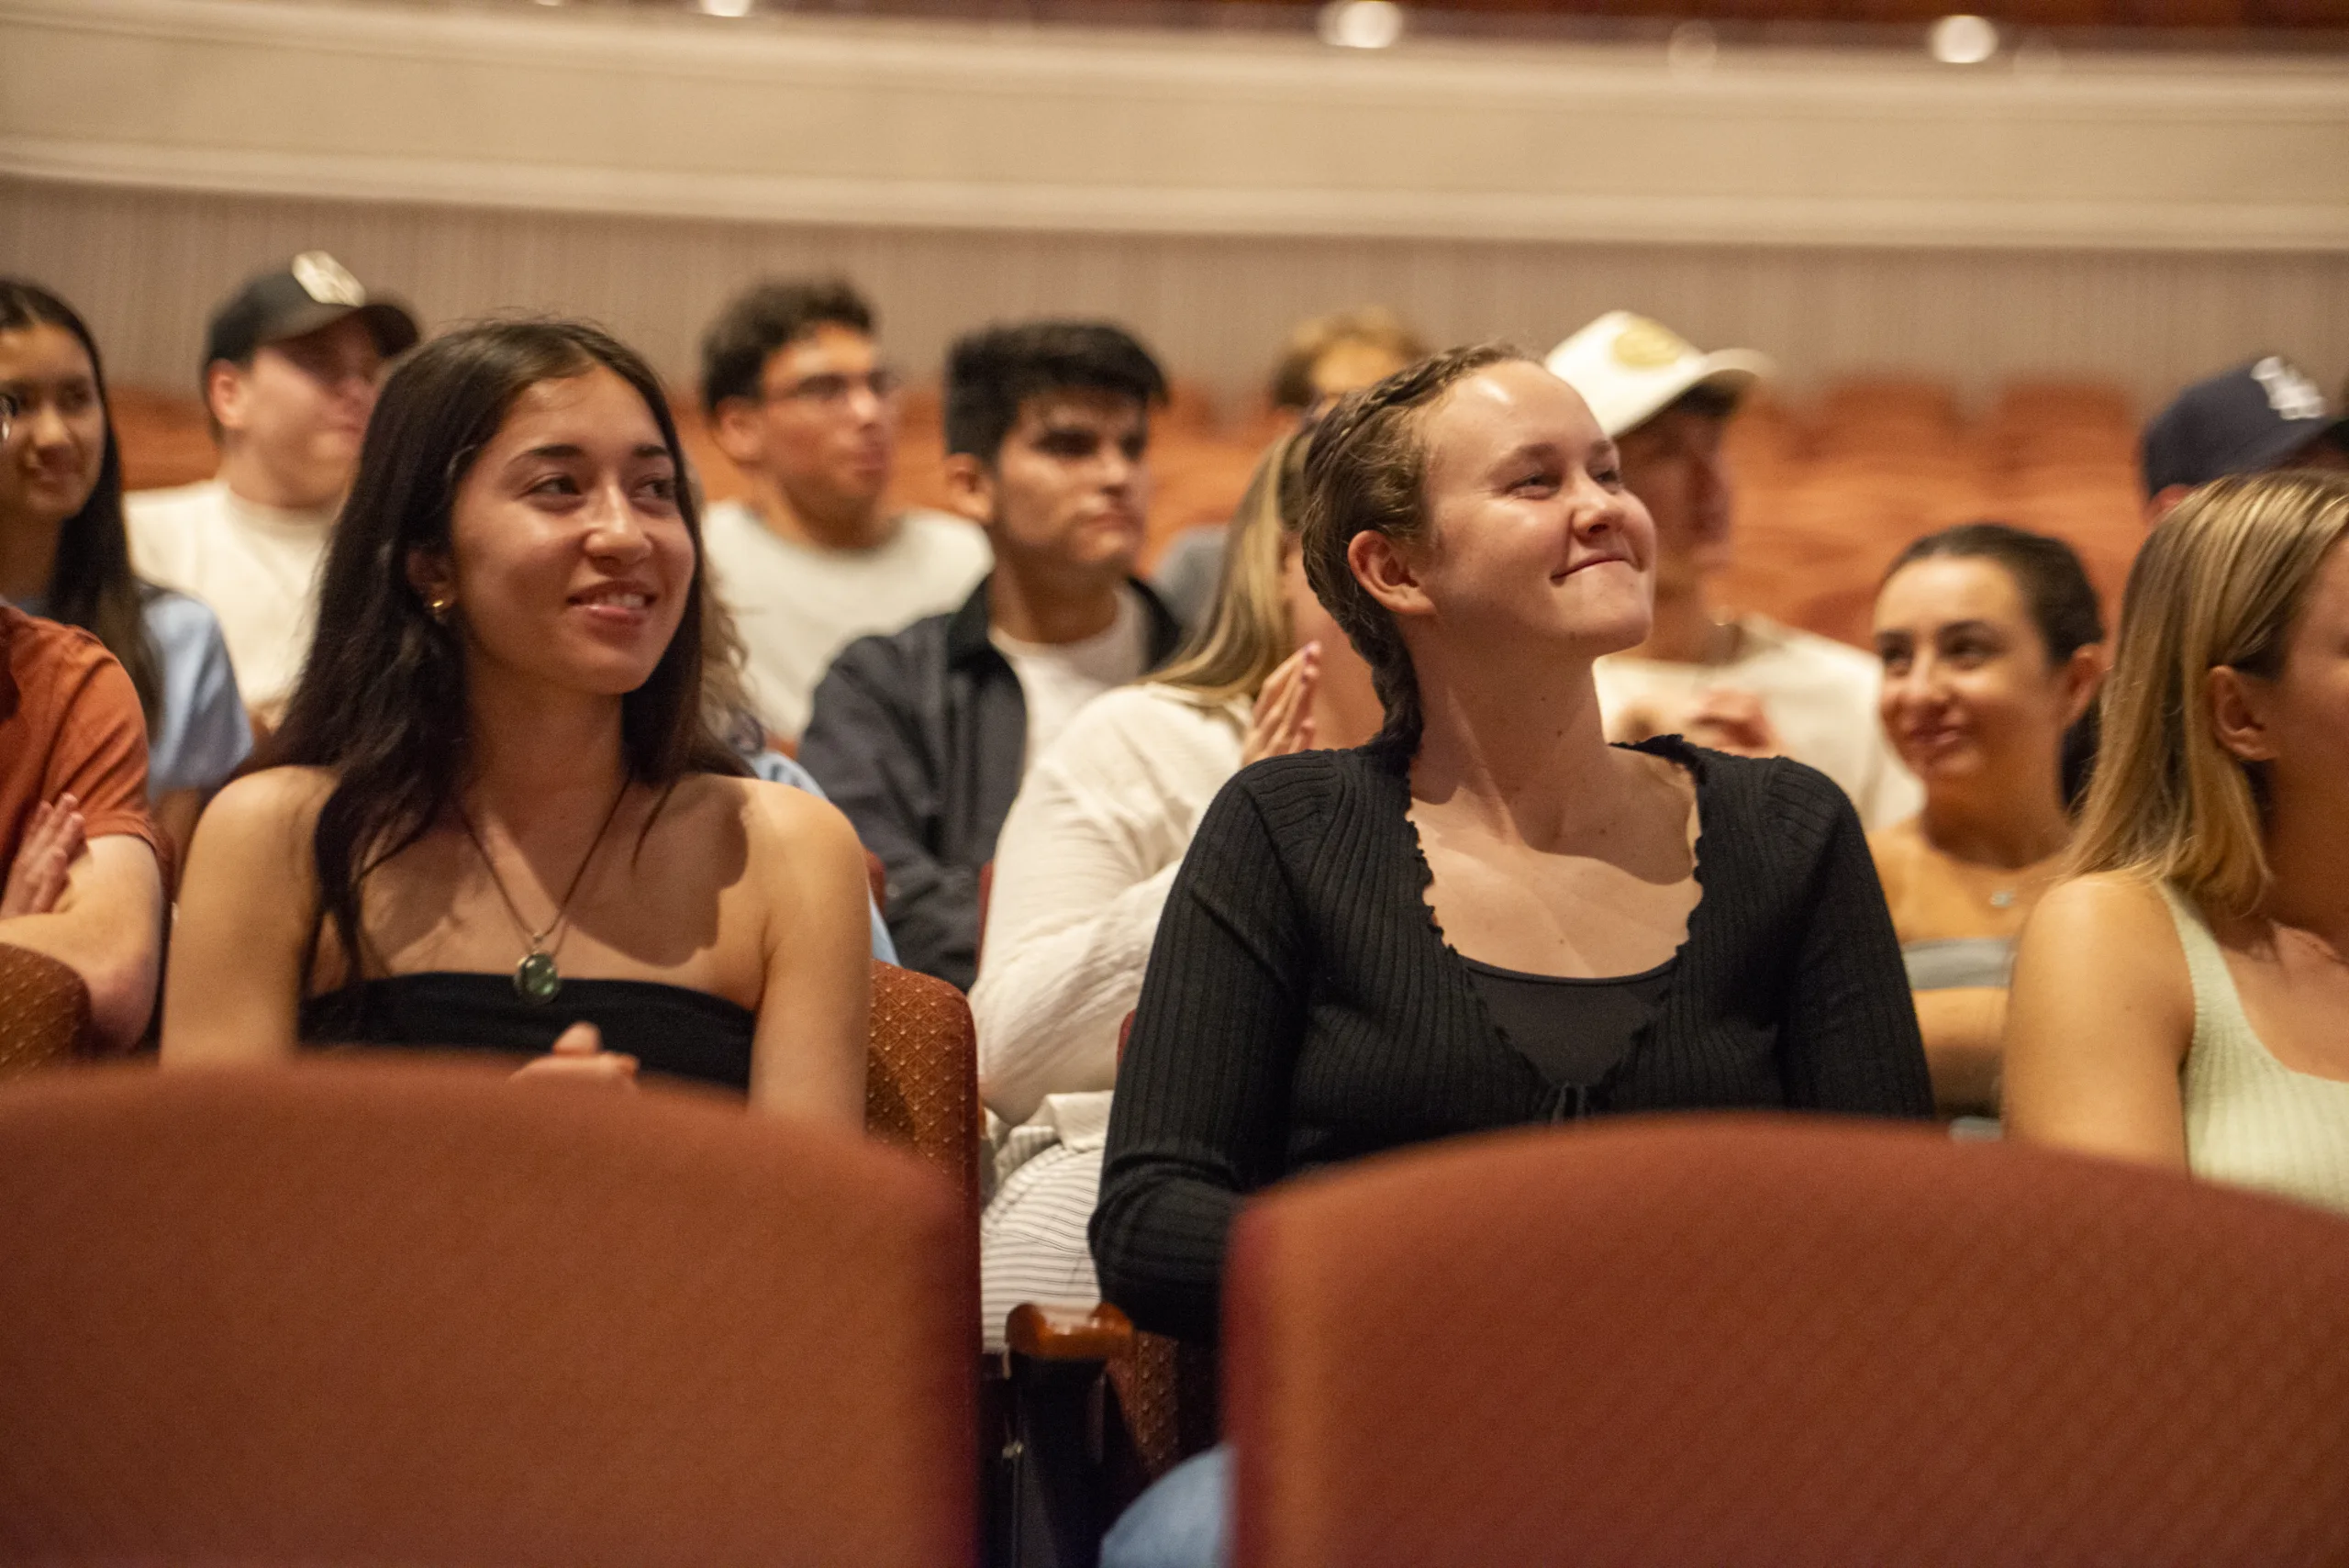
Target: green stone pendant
{"type": "Point", "coordinates": [535, 979]}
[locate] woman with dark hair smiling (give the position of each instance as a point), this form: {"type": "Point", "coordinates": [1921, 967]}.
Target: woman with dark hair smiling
{"type": "Point", "coordinates": [496, 786]}
{"type": "Point", "coordinates": [1993, 646]}
{"type": "Point", "coordinates": [63, 555]}
{"type": "Point", "coordinates": [1487, 916]}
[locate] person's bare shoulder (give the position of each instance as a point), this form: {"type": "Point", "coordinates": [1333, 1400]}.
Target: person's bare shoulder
{"type": "Point", "coordinates": [1895, 848]}
{"type": "Point", "coordinates": [784, 826]}
{"type": "Point", "coordinates": [2104, 906]}
{"type": "Point", "coordinates": [269, 814]}
{"type": "Point", "coordinates": [2109, 935]}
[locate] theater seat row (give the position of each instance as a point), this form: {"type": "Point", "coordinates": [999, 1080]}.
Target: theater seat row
{"type": "Point", "coordinates": [389, 1313]}
{"type": "Point", "coordinates": [1829, 491]}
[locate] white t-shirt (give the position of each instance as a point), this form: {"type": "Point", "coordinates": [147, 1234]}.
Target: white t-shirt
{"type": "Point", "coordinates": [1818, 694]}
{"type": "Point", "coordinates": [797, 607]}
{"type": "Point", "coordinates": [256, 566]}
{"type": "Point", "coordinates": [1058, 678]}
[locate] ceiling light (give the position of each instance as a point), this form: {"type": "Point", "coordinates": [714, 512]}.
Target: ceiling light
{"type": "Point", "coordinates": [726, 7]}
{"type": "Point", "coordinates": [1361, 24]}
{"type": "Point", "coordinates": [1692, 47]}
{"type": "Point", "coordinates": [1963, 41]}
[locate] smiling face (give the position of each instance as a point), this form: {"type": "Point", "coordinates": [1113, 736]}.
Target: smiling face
{"type": "Point", "coordinates": [299, 409]}
{"type": "Point", "coordinates": [57, 443]}
{"type": "Point", "coordinates": [1971, 698]}
{"type": "Point", "coordinates": [571, 564]}
{"type": "Point", "coordinates": [1532, 533]}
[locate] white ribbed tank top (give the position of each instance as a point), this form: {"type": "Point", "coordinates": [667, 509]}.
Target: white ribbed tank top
{"type": "Point", "coordinates": [2250, 1120]}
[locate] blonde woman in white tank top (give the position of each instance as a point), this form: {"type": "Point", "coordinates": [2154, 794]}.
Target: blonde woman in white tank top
{"type": "Point", "coordinates": [2184, 999]}
{"type": "Point", "coordinates": [2249, 1118]}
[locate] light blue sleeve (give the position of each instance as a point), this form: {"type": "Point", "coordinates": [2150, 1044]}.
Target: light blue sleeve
{"type": "Point", "coordinates": [201, 733]}
{"type": "Point", "coordinates": [776, 768]}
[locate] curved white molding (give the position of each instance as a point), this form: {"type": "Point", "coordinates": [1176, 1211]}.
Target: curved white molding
{"type": "Point", "coordinates": [891, 124]}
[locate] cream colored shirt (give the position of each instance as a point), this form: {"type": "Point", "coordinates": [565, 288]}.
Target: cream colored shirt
{"type": "Point", "coordinates": [1818, 694]}
{"type": "Point", "coordinates": [2250, 1121]}
{"type": "Point", "coordinates": [1082, 870]}
{"type": "Point", "coordinates": [797, 607]}
{"type": "Point", "coordinates": [256, 566]}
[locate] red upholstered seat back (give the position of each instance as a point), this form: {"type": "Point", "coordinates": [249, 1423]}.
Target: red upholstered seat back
{"type": "Point", "coordinates": [922, 1074]}
{"type": "Point", "coordinates": [44, 1010]}
{"type": "Point", "coordinates": [1767, 1342]}
{"type": "Point", "coordinates": [410, 1314]}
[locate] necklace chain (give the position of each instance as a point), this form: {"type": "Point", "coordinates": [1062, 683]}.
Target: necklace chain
{"type": "Point", "coordinates": [537, 940]}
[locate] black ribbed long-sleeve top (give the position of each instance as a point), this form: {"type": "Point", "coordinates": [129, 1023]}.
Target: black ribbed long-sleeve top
{"type": "Point", "coordinates": [1301, 1007]}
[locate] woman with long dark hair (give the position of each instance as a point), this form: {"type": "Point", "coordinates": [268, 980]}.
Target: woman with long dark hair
{"type": "Point", "coordinates": [1993, 645]}
{"type": "Point", "coordinates": [63, 554]}
{"type": "Point", "coordinates": [497, 814]}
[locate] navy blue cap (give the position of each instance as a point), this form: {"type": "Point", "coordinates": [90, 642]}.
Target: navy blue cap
{"type": "Point", "coordinates": [2254, 417]}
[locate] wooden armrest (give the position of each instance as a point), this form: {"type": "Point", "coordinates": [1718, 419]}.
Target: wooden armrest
{"type": "Point", "coordinates": [1069, 1333]}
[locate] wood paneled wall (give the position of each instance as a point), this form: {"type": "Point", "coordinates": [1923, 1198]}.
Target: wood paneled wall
{"type": "Point", "coordinates": [146, 266]}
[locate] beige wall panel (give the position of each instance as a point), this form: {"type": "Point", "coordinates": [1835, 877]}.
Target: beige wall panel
{"type": "Point", "coordinates": [939, 124]}
{"type": "Point", "coordinates": [147, 265]}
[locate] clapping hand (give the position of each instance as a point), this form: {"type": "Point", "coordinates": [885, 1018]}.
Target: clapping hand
{"type": "Point", "coordinates": [578, 1057]}
{"type": "Point", "coordinates": [1729, 719]}
{"type": "Point", "coordinates": [53, 837]}
{"type": "Point", "coordinates": [1282, 720]}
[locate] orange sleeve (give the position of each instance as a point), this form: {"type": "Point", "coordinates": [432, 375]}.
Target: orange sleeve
{"type": "Point", "coordinates": [100, 756]}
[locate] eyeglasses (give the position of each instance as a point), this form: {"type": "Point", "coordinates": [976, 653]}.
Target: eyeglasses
{"type": "Point", "coordinates": [832, 387]}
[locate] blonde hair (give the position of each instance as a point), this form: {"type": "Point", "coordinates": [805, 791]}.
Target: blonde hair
{"type": "Point", "coordinates": [2220, 582]}
{"type": "Point", "coordinates": [1372, 326]}
{"type": "Point", "coordinates": [1242, 642]}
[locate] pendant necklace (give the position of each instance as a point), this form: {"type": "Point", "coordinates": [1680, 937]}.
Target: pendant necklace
{"type": "Point", "coordinates": [536, 979]}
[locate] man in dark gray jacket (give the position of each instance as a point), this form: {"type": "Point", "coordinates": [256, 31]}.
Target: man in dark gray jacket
{"type": "Point", "coordinates": [923, 737]}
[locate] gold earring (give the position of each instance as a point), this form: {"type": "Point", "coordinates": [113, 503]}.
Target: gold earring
{"type": "Point", "coordinates": [439, 605]}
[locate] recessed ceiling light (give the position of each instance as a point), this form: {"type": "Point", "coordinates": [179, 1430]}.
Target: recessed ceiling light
{"type": "Point", "coordinates": [1963, 41]}
{"type": "Point", "coordinates": [1361, 24]}
{"type": "Point", "coordinates": [1693, 46]}
{"type": "Point", "coordinates": [726, 7]}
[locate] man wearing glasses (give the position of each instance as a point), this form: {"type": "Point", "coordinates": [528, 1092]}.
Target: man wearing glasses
{"type": "Point", "coordinates": [799, 398]}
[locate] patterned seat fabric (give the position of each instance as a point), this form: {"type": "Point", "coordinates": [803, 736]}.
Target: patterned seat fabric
{"type": "Point", "coordinates": [1773, 1341]}
{"type": "Point", "coordinates": [922, 1086]}
{"type": "Point", "coordinates": [374, 1313]}
{"type": "Point", "coordinates": [44, 1011]}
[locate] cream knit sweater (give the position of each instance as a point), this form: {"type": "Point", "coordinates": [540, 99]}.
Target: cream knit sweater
{"type": "Point", "coordinates": [1081, 871]}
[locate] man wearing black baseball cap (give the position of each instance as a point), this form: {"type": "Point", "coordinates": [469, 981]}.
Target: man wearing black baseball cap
{"type": "Point", "coordinates": [2266, 415]}
{"type": "Point", "coordinates": [291, 363]}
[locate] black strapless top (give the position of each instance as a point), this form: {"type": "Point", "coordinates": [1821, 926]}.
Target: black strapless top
{"type": "Point", "coordinates": [668, 1029]}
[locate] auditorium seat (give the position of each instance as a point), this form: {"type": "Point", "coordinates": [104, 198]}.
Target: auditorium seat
{"type": "Point", "coordinates": [1780, 1341]}
{"type": "Point", "coordinates": [44, 1011]}
{"type": "Point", "coordinates": [922, 1086]}
{"type": "Point", "coordinates": [164, 438]}
{"type": "Point", "coordinates": [364, 1313]}
{"type": "Point", "coordinates": [1097, 1410]}
{"type": "Point", "coordinates": [1829, 487]}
